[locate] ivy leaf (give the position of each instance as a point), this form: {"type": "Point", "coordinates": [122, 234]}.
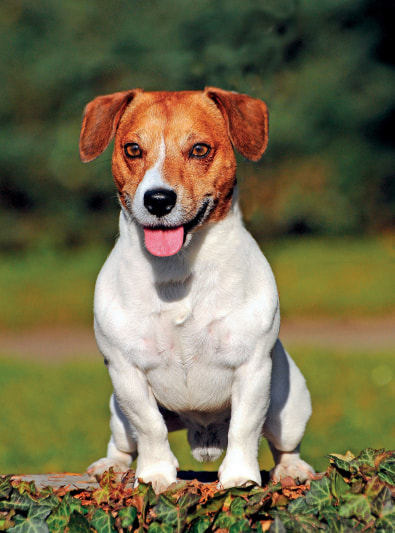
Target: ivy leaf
{"type": "Point", "coordinates": [149, 499]}
{"type": "Point", "coordinates": [211, 506]}
{"type": "Point", "coordinates": [156, 527]}
{"type": "Point", "coordinates": [319, 495]}
{"type": "Point", "coordinates": [299, 506]}
{"type": "Point", "coordinates": [305, 523]}
{"type": "Point", "coordinates": [5, 487]}
{"type": "Point", "coordinates": [225, 520]}
{"type": "Point", "coordinates": [373, 487]}
{"type": "Point", "coordinates": [338, 486]}
{"type": "Point", "coordinates": [19, 502]}
{"type": "Point", "coordinates": [241, 525]}
{"type": "Point", "coordinates": [6, 521]}
{"type": "Point", "coordinates": [382, 504]}
{"type": "Point", "coordinates": [166, 510]}
{"type": "Point", "coordinates": [60, 516]}
{"type": "Point", "coordinates": [78, 523]}
{"type": "Point", "coordinates": [103, 522]}
{"type": "Point", "coordinates": [367, 457]}
{"type": "Point", "coordinates": [356, 505]}
{"type": "Point", "coordinates": [387, 471]}
{"type": "Point", "coordinates": [386, 524]}
{"type": "Point", "coordinates": [277, 525]}
{"type": "Point", "coordinates": [40, 512]}
{"type": "Point", "coordinates": [342, 462]}
{"type": "Point", "coordinates": [200, 525]}
{"type": "Point", "coordinates": [28, 525]}
{"type": "Point", "coordinates": [237, 507]}
{"type": "Point", "coordinates": [127, 516]}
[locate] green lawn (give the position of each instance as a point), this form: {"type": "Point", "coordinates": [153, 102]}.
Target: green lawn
{"type": "Point", "coordinates": [328, 277]}
{"type": "Point", "coordinates": [55, 417]}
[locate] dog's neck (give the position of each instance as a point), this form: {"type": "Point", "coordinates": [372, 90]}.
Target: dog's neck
{"type": "Point", "coordinates": [180, 268]}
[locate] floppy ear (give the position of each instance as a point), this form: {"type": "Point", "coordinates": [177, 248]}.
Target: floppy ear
{"type": "Point", "coordinates": [247, 120]}
{"type": "Point", "coordinates": [100, 122]}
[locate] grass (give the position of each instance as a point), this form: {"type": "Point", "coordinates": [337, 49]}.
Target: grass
{"type": "Point", "coordinates": [335, 277]}
{"type": "Point", "coordinates": [328, 277]}
{"type": "Point", "coordinates": [55, 417]}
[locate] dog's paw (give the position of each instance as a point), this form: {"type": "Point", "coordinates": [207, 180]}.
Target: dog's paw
{"type": "Point", "coordinates": [161, 475]}
{"type": "Point", "coordinates": [237, 472]}
{"type": "Point", "coordinates": [294, 467]}
{"type": "Point", "coordinates": [97, 469]}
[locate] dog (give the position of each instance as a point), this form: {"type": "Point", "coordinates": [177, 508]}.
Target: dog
{"type": "Point", "coordinates": [186, 309]}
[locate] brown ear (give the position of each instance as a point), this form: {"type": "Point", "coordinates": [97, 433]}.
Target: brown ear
{"type": "Point", "coordinates": [100, 122]}
{"type": "Point", "coordinates": [247, 119]}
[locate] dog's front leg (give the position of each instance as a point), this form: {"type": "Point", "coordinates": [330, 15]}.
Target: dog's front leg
{"type": "Point", "coordinates": [250, 402]}
{"type": "Point", "coordinates": [155, 462]}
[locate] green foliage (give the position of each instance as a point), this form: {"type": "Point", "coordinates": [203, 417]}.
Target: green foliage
{"type": "Point", "coordinates": [350, 496]}
{"type": "Point", "coordinates": [324, 69]}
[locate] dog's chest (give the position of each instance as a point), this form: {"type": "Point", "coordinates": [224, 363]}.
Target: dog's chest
{"type": "Point", "coordinates": [192, 358]}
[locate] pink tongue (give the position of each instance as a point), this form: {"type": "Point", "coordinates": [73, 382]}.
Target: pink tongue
{"type": "Point", "coordinates": [164, 242]}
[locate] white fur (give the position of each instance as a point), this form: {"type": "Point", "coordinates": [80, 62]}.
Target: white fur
{"type": "Point", "coordinates": [196, 334]}
{"type": "Point", "coordinates": [153, 179]}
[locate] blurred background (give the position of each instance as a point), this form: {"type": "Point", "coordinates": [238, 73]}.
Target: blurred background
{"type": "Point", "coordinates": [320, 203]}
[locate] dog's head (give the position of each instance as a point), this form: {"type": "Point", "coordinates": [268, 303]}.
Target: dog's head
{"type": "Point", "coordinates": [173, 160]}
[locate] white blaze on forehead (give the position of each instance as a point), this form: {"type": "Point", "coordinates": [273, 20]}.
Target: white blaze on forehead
{"type": "Point", "coordinates": [153, 179]}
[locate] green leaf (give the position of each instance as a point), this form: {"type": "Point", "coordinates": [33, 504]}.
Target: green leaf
{"type": "Point", "coordinates": [367, 457]}
{"type": "Point", "coordinates": [127, 516]}
{"type": "Point", "coordinates": [60, 516]}
{"type": "Point", "coordinates": [213, 505]}
{"type": "Point", "coordinates": [299, 523]}
{"type": "Point", "coordinates": [373, 487]}
{"type": "Point", "coordinates": [342, 462]}
{"type": "Point", "coordinates": [225, 520]}
{"type": "Point", "coordinates": [337, 524]}
{"type": "Point", "coordinates": [319, 495]}
{"type": "Point", "coordinates": [299, 506]}
{"type": "Point", "coordinates": [166, 510]}
{"type": "Point", "coordinates": [387, 471]}
{"type": "Point", "coordinates": [78, 523]}
{"type": "Point", "coordinates": [200, 525]}
{"type": "Point", "coordinates": [237, 507]}
{"type": "Point", "coordinates": [103, 522]}
{"type": "Point", "coordinates": [19, 502]}
{"type": "Point", "coordinates": [156, 527]}
{"type": "Point", "coordinates": [356, 505]}
{"type": "Point", "coordinates": [338, 486]}
{"type": "Point", "coordinates": [277, 525]}
{"type": "Point", "coordinates": [382, 504]}
{"type": "Point", "coordinates": [386, 524]}
{"type": "Point", "coordinates": [149, 498]}
{"type": "Point", "coordinates": [6, 521]}
{"type": "Point", "coordinates": [5, 487]}
{"type": "Point", "coordinates": [240, 525]}
{"type": "Point", "coordinates": [29, 525]}
{"type": "Point", "coordinates": [40, 512]}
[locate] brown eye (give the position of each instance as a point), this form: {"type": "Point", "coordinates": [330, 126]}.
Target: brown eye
{"type": "Point", "coordinates": [200, 150]}
{"type": "Point", "coordinates": [132, 150]}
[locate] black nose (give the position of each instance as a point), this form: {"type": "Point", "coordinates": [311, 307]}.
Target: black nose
{"type": "Point", "coordinates": [160, 202]}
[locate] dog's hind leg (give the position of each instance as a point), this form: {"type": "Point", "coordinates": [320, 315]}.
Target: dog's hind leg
{"type": "Point", "coordinates": [289, 411]}
{"type": "Point", "coordinates": [122, 448]}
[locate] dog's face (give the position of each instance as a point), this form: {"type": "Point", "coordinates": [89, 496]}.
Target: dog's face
{"type": "Point", "coordinates": [173, 160]}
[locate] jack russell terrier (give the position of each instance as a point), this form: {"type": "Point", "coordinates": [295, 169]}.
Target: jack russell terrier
{"type": "Point", "coordinates": [186, 306]}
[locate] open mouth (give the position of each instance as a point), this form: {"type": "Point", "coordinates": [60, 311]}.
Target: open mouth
{"type": "Point", "coordinates": [164, 242]}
